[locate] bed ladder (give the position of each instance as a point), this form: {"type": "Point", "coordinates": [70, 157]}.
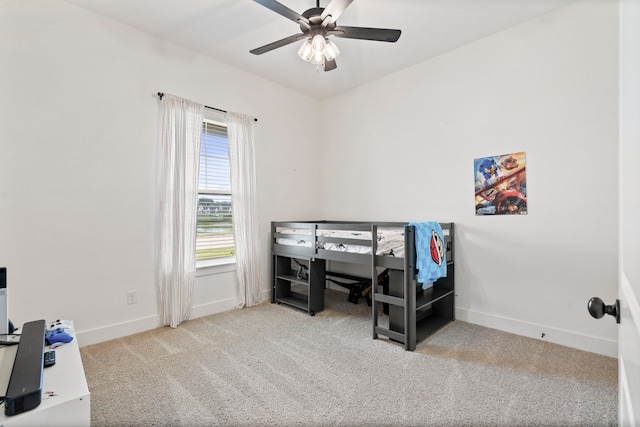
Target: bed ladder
{"type": "Point", "coordinates": [407, 301]}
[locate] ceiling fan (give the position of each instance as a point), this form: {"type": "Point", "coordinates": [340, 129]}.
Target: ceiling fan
{"type": "Point", "coordinates": [317, 24]}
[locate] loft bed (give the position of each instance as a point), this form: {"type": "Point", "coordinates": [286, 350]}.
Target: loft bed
{"type": "Point", "coordinates": [415, 310]}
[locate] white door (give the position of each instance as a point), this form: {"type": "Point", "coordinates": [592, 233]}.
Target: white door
{"type": "Point", "coordinates": [629, 272]}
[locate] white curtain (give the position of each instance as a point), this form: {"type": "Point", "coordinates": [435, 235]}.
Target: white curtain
{"type": "Point", "coordinates": [180, 134]}
{"type": "Point", "coordinates": [245, 215]}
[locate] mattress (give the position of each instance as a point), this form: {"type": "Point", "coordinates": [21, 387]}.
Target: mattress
{"type": "Point", "coordinates": [390, 241]}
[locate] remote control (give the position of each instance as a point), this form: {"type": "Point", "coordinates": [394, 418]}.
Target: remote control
{"type": "Point", "coordinates": [49, 358]}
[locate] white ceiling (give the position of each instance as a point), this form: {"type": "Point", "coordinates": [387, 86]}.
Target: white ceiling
{"type": "Point", "coordinates": [227, 30]}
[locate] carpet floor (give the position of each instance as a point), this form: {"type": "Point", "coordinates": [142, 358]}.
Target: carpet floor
{"type": "Point", "coordinates": [274, 365]}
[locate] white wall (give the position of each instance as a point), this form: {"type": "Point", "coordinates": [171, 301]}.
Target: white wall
{"type": "Point", "coordinates": [78, 118]}
{"type": "Point", "coordinates": [402, 148]}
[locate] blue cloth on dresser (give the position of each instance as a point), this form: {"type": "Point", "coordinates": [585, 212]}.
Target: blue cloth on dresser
{"type": "Point", "coordinates": [430, 252]}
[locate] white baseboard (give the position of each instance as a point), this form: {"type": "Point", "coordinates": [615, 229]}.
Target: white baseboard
{"type": "Point", "coordinates": [557, 336]}
{"type": "Point", "coordinates": [213, 308]}
{"type": "Point", "coordinates": [119, 330]}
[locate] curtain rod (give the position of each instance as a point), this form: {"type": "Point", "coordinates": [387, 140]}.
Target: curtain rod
{"type": "Point", "coordinates": [161, 94]}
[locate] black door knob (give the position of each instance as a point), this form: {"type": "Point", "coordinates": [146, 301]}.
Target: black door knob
{"type": "Point", "coordinates": [597, 308]}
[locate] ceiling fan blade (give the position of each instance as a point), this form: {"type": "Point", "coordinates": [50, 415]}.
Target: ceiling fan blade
{"type": "Point", "coordinates": [284, 11]}
{"type": "Point", "coordinates": [334, 9]}
{"type": "Point", "coordinates": [330, 65]}
{"type": "Point", "coordinates": [376, 34]}
{"type": "Point", "coordinates": [269, 47]}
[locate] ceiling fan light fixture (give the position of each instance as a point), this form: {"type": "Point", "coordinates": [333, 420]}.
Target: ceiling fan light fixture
{"type": "Point", "coordinates": [331, 51]}
{"type": "Point", "coordinates": [318, 49]}
{"type": "Point", "coordinates": [318, 43]}
{"type": "Point", "coordinates": [317, 58]}
{"type": "Point", "coordinates": [305, 52]}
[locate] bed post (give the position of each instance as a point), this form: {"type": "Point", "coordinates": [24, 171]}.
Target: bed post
{"type": "Point", "coordinates": [272, 272]}
{"type": "Point", "coordinates": [374, 278]}
{"type": "Point", "coordinates": [409, 289]}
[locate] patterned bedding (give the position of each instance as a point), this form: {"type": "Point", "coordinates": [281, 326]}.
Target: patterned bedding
{"type": "Point", "coordinates": [390, 240]}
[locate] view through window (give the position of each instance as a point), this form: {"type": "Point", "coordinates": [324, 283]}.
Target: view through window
{"type": "Point", "coordinates": [214, 224]}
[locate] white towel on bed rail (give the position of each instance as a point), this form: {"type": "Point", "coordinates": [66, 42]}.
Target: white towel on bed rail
{"type": "Point", "coordinates": [430, 252]}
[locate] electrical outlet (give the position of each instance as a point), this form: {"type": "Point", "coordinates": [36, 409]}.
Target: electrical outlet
{"type": "Point", "coordinates": [132, 297]}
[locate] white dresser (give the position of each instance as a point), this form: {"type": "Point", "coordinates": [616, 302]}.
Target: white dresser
{"type": "Point", "coordinates": [65, 394]}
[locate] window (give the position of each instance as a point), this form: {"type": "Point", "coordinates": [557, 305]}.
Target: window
{"type": "Point", "coordinates": [214, 237]}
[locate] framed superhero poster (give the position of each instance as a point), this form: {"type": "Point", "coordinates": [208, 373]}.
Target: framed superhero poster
{"type": "Point", "coordinates": [501, 184]}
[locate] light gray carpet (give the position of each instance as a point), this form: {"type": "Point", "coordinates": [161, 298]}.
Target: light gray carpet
{"type": "Point", "coordinates": [275, 365]}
